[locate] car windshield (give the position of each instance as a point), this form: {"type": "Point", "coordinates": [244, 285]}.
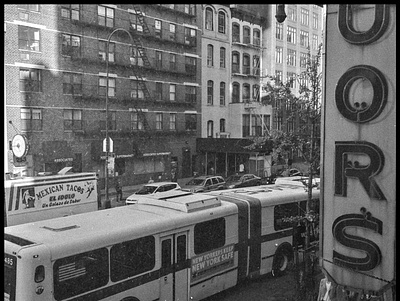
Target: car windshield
{"type": "Point", "coordinates": [233, 178]}
{"type": "Point", "coordinates": [146, 190]}
{"type": "Point", "coordinates": [195, 182]}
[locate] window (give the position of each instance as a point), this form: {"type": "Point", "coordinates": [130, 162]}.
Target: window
{"type": "Point", "coordinates": [190, 122]}
{"type": "Point", "coordinates": [159, 121]}
{"type": "Point", "coordinates": [246, 35]}
{"type": "Point", "coordinates": [303, 59]}
{"type": "Point", "coordinates": [209, 235]}
{"type": "Point", "coordinates": [136, 90]}
{"type": "Point", "coordinates": [30, 80]}
{"type": "Point", "coordinates": [172, 61]}
{"type": "Point", "coordinates": [190, 9]}
{"type": "Point", "coordinates": [291, 79]}
{"type": "Point", "coordinates": [222, 92]}
{"type": "Point", "coordinates": [246, 63]}
{"type": "Point", "coordinates": [132, 257]}
{"type": "Point", "coordinates": [235, 93]}
{"type": "Point", "coordinates": [291, 57]}
{"type": "Point", "coordinates": [190, 65]}
{"type": "Point", "coordinates": [278, 54]}
{"type": "Point", "coordinates": [278, 75]}
{"type": "Point", "coordinates": [235, 62]}
{"type": "Point", "coordinates": [279, 121]}
{"type": "Point", "coordinates": [210, 55]}
{"type": "Point", "coordinates": [256, 93]}
{"type": "Point", "coordinates": [256, 38]}
{"type": "Point", "coordinates": [135, 22]}
{"type": "Point", "coordinates": [292, 13]}
{"type": "Point", "coordinates": [210, 129]}
{"type": "Point", "coordinates": [222, 57]}
{"type": "Point", "coordinates": [190, 36]}
{"type": "Point", "coordinates": [210, 92]}
{"type": "Point", "coordinates": [267, 122]}
{"type": "Point", "coordinates": [304, 16]}
{"type": "Point", "coordinates": [304, 38]}
{"type": "Point", "coordinates": [105, 16]}
{"type": "Point", "coordinates": [221, 22]}
{"type": "Point", "coordinates": [190, 94]}
{"type": "Point", "coordinates": [172, 31]}
{"type": "Point", "coordinates": [209, 19]}
{"type": "Point", "coordinates": [28, 38]}
{"type": "Point", "coordinates": [103, 86]}
{"type": "Point", "coordinates": [72, 119]}
{"type": "Point", "coordinates": [172, 121]}
{"type": "Point", "coordinates": [256, 125]}
{"type": "Point", "coordinates": [172, 92]}
{"type": "Point", "coordinates": [70, 11]}
{"type": "Point", "coordinates": [222, 123]}
{"type": "Point", "coordinates": [256, 65]}
{"type": "Point", "coordinates": [158, 92]}
{"type": "Point", "coordinates": [158, 59]}
{"type": "Point", "coordinates": [71, 45]}
{"type": "Point", "coordinates": [315, 20]}
{"type": "Point", "coordinates": [291, 34]}
{"type": "Point", "coordinates": [246, 93]}
{"type": "Point", "coordinates": [81, 273]}
{"type": "Point", "coordinates": [72, 83]}
{"type": "Point", "coordinates": [135, 58]}
{"type": "Point", "coordinates": [283, 214]}
{"type": "Point", "coordinates": [29, 7]}
{"type": "Point", "coordinates": [102, 51]}
{"type": "Point", "coordinates": [157, 28]}
{"type": "Point", "coordinates": [246, 125]}
{"type": "Point", "coordinates": [31, 119]}
{"type": "Point", "coordinates": [315, 41]}
{"type": "Point", "coordinates": [279, 31]}
{"type": "Point", "coordinates": [136, 121]}
{"type": "Point", "coordinates": [235, 33]}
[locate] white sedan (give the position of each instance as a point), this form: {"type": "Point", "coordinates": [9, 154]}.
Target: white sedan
{"type": "Point", "coordinates": [151, 189]}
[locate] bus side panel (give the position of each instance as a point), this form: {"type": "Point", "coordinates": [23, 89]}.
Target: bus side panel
{"type": "Point", "coordinates": [33, 201]}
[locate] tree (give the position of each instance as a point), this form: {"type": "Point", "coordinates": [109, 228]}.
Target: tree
{"type": "Point", "coordinates": [300, 127]}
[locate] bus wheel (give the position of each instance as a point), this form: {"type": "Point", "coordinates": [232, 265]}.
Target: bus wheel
{"type": "Point", "coordinates": [282, 259]}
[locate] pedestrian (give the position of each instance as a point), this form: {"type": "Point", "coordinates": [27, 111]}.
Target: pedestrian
{"type": "Point", "coordinates": [118, 189]}
{"type": "Point", "coordinates": [150, 180]}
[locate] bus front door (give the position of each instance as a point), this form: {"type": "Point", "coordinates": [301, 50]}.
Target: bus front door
{"type": "Point", "coordinates": [174, 274]}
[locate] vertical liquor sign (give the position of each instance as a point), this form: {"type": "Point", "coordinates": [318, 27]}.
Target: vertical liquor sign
{"type": "Point", "coordinates": [359, 149]}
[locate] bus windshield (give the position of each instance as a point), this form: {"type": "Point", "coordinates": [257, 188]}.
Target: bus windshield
{"type": "Point", "coordinates": [9, 277]}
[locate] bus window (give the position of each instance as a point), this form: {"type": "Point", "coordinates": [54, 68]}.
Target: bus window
{"type": "Point", "coordinates": [181, 248]}
{"type": "Point", "coordinates": [80, 273]}
{"type": "Point", "coordinates": [284, 215]}
{"type": "Point", "coordinates": [166, 253]}
{"type": "Point", "coordinates": [209, 235]}
{"type": "Point", "coordinates": [132, 257]}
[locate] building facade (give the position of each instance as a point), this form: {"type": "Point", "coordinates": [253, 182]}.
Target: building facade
{"type": "Point", "coordinates": [56, 82]}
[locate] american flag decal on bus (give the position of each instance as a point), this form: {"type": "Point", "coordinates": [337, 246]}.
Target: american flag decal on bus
{"type": "Point", "coordinates": [70, 270]}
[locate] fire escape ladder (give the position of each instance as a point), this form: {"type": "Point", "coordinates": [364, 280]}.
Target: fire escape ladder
{"type": "Point", "coordinates": [141, 51]}
{"type": "Point", "coordinates": [142, 86]}
{"type": "Point", "coordinates": [142, 117]}
{"type": "Point", "coordinates": [140, 17]}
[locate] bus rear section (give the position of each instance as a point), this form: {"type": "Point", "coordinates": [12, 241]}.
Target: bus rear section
{"type": "Point", "coordinates": [32, 199]}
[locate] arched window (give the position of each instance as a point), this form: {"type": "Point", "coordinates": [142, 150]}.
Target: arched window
{"type": "Point", "coordinates": [210, 129]}
{"type": "Point", "coordinates": [256, 65]}
{"type": "Point", "coordinates": [246, 63]}
{"type": "Point", "coordinates": [246, 35]}
{"type": "Point", "coordinates": [235, 62]}
{"type": "Point", "coordinates": [210, 55]}
{"type": "Point", "coordinates": [210, 92]}
{"type": "Point", "coordinates": [222, 125]}
{"type": "Point", "coordinates": [236, 32]}
{"type": "Point", "coordinates": [222, 57]}
{"type": "Point", "coordinates": [209, 19]}
{"type": "Point", "coordinates": [256, 37]}
{"type": "Point", "coordinates": [246, 93]}
{"type": "Point", "coordinates": [221, 22]}
{"type": "Point", "coordinates": [256, 93]}
{"type": "Point", "coordinates": [235, 92]}
{"type": "Point", "coordinates": [222, 88]}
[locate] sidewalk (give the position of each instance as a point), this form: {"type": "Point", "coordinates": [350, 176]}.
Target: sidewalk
{"type": "Point", "coordinates": [126, 192]}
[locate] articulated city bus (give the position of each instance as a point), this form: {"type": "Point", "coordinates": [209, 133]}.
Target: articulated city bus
{"type": "Point", "coordinates": [182, 247]}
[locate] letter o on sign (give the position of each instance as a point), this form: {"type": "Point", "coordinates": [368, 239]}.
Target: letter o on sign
{"type": "Point", "coordinates": [342, 94]}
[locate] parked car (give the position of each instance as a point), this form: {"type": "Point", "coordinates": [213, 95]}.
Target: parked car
{"type": "Point", "coordinates": [290, 173]}
{"type": "Point", "coordinates": [242, 180]}
{"type": "Point", "coordinates": [204, 184]}
{"type": "Point", "coordinates": [151, 189]}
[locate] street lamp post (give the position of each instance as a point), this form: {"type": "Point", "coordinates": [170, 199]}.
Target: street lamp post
{"type": "Point", "coordinates": [107, 202]}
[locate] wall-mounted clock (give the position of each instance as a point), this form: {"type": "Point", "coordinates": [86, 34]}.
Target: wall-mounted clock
{"type": "Point", "coordinates": [19, 145]}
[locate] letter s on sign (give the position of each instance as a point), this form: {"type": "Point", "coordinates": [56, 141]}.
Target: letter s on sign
{"type": "Point", "coordinates": [373, 254]}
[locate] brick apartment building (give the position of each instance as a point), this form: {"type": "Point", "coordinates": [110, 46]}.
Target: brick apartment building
{"type": "Point", "coordinates": [56, 78]}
